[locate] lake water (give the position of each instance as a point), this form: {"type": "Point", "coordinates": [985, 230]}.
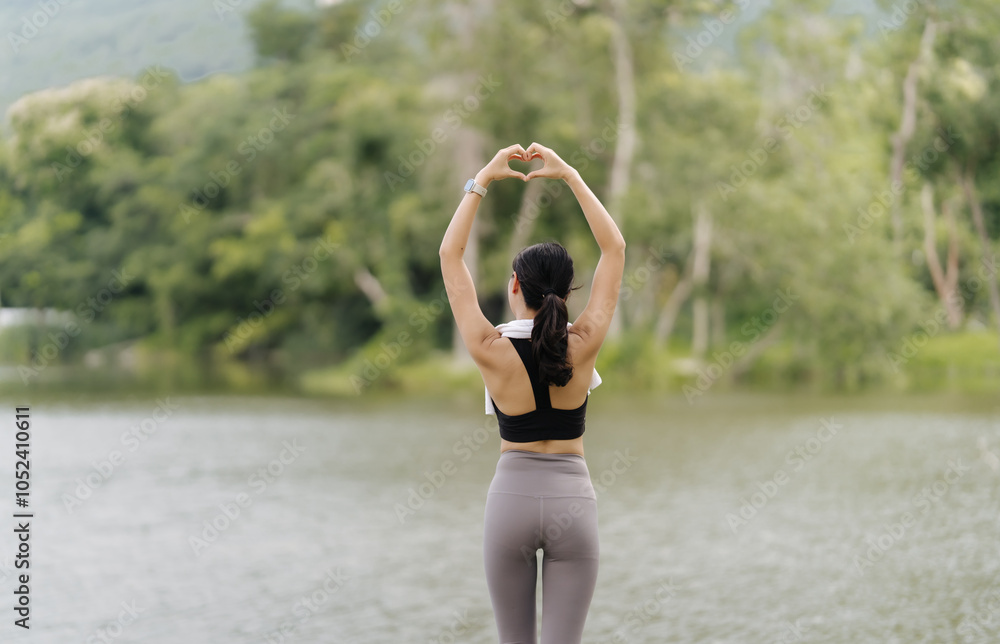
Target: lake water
{"type": "Point", "coordinates": [741, 519]}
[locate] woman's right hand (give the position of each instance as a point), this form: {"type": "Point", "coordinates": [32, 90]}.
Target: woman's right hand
{"type": "Point", "coordinates": [554, 168]}
{"type": "Point", "coordinates": [498, 169]}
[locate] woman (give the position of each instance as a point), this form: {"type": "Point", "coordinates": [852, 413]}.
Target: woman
{"type": "Point", "coordinates": [541, 495]}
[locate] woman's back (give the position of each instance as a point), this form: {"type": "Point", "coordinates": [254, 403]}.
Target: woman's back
{"type": "Point", "coordinates": [510, 386]}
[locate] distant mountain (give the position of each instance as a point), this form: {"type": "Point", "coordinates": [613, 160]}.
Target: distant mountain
{"type": "Point", "coordinates": [49, 43]}
{"type": "Point", "coordinates": [75, 39]}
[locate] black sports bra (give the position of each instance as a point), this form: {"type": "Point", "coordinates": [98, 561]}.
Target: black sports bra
{"type": "Point", "coordinates": [544, 422]}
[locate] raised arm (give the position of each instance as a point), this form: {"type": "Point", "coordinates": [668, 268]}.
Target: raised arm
{"type": "Point", "coordinates": [475, 329]}
{"type": "Point", "coordinates": [593, 323]}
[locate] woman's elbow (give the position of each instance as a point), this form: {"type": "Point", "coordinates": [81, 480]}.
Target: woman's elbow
{"type": "Point", "coordinates": [446, 252]}
{"type": "Point", "coordinates": [617, 247]}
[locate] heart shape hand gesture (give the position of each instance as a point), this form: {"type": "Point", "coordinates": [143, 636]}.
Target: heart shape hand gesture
{"type": "Point", "coordinates": [498, 168]}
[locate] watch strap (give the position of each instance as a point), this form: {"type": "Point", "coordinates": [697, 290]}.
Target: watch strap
{"type": "Point", "coordinates": [472, 186]}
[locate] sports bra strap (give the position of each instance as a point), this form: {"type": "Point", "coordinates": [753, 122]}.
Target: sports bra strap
{"type": "Point", "coordinates": [540, 391]}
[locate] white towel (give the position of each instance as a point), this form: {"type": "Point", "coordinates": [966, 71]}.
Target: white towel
{"type": "Point", "coordinates": [522, 329]}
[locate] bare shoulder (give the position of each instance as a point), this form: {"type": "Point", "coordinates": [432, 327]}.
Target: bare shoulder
{"type": "Point", "coordinates": [495, 354]}
{"type": "Point", "coordinates": [498, 364]}
{"type": "Point", "coordinates": [485, 351]}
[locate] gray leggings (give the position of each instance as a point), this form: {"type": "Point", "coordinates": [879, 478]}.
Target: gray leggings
{"type": "Point", "coordinates": [542, 501]}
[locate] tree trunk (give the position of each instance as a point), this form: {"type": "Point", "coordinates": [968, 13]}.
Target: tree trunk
{"type": "Point", "coordinates": [699, 279]}
{"type": "Point", "coordinates": [989, 260]}
{"type": "Point", "coordinates": [945, 280]}
{"type": "Point", "coordinates": [668, 316]}
{"type": "Point", "coordinates": [907, 125]}
{"type": "Point", "coordinates": [626, 138]}
{"type": "Point", "coordinates": [696, 268]}
{"type": "Point", "coordinates": [526, 216]}
{"type": "Point", "coordinates": [718, 321]}
{"type": "Point", "coordinates": [370, 286]}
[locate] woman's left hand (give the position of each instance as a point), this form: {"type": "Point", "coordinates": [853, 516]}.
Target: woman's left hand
{"type": "Point", "coordinates": [498, 169]}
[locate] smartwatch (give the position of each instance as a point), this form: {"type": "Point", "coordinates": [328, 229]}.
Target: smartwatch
{"type": "Point", "coordinates": [472, 186]}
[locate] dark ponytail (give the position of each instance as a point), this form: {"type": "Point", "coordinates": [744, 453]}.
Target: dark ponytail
{"type": "Point", "coordinates": [545, 272]}
{"type": "Point", "coordinates": [549, 341]}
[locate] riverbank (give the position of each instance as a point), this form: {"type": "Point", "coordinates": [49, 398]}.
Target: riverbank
{"type": "Point", "coordinates": [956, 363]}
{"type": "Point", "coordinates": [966, 362]}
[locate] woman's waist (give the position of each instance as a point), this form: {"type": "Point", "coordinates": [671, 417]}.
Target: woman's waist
{"type": "Point", "coordinates": [572, 446]}
{"type": "Point", "coordinates": [542, 474]}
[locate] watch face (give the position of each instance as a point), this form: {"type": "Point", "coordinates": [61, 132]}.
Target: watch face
{"type": "Point", "coordinates": [469, 184]}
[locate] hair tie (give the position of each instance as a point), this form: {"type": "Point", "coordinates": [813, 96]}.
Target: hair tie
{"type": "Point", "coordinates": [547, 291]}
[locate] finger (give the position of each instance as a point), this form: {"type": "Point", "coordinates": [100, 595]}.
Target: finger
{"type": "Point", "coordinates": [514, 150]}
{"type": "Point", "coordinates": [537, 150]}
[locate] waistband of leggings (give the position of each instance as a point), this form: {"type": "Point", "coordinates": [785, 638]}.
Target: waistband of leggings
{"type": "Point", "coordinates": [540, 475]}
{"type": "Point", "coordinates": [523, 453]}
{"type": "Point", "coordinates": [537, 473]}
